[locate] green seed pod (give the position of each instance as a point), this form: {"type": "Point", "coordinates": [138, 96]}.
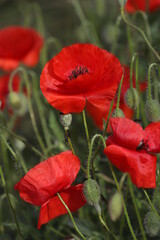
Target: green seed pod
{"type": "Point", "coordinates": [152, 224]}
{"type": "Point", "coordinates": [91, 191]}
{"type": "Point", "coordinates": [152, 110]}
{"type": "Point", "coordinates": [14, 101]}
{"type": "Point", "coordinates": [65, 120]}
{"type": "Point", "coordinates": [117, 113]}
{"type": "Point", "coordinates": [115, 206]}
{"type": "Point", "coordinates": [131, 98]}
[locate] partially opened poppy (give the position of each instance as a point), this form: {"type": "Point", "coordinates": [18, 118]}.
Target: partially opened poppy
{"type": "Point", "coordinates": [4, 89]}
{"type": "Point", "coordinates": [131, 149]}
{"type": "Point", "coordinates": [82, 75]}
{"type": "Point", "coordinates": [42, 183]}
{"type": "Point", "coordinates": [142, 5]}
{"type": "Point", "coordinates": [19, 45]}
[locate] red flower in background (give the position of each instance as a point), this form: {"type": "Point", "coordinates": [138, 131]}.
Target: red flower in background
{"type": "Point", "coordinates": [19, 45]}
{"type": "Point", "coordinates": [142, 5]}
{"type": "Point", "coordinates": [82, 75]}
{"type": "Point", "coordinates": [131, 149]}
{"type": "Point", "coordinates": [4, 90]}
{"type": "Point", "coordinates": [42, 183]}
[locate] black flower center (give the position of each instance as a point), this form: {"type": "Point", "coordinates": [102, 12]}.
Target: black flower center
{"type": "Point", "coordinates": [77, 72]}
{"type": "Point", "coordinates": [143, 145]}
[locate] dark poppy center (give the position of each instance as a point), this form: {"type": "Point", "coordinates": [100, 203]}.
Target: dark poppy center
{"type": "Point", "coordinates": [77, 72]}
{"type": "Point", "coordinates": [143, 145]}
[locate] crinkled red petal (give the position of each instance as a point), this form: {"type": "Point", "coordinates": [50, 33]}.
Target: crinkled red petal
{"type": "Point", "coordinates": [141, 166]}
{"type": "Point", "coordinates": [73, 198]}
{"type": "Point", "coordinates": [19, 45]}
{"type": "Point", "coordinates": [49, 177]}
{"type": "Point", "coordinates": [126, 132]}
{"type": "Point", "coordinates": [152, 137]}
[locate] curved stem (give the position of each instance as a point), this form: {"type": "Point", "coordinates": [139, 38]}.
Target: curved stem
{"type": "Point", "coordinates": [141, 32]}
{"type": "Point", "coordinates": [10, 204]}
{"type": "Point", "coordinates": [90, 152]}
{"type": "Point", "coordinates": [32, 116]}
{"type": "Point", "coordinates": [69, 141]}
{"type": "Point", "coordinates": [106, 227]}
{"type": "Point", "coordinates": [70, 214]}
{"type": "Point", "coordinates": [149, 79]}
{"type": "Point", "coordinates": [136, 208]}
{"type": "Point", "coordinates": [86, 129]}
{"type": "Point", "coordinates": [125, 209]}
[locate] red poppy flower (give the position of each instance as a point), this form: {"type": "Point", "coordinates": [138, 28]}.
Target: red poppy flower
{"type": "Point", "coordinates": [55, 175]}
{"type": "Point", "coordinates": [82, 75]}
{"type": "Point", "coordinates": [4, 81]}
{"type": "Point", "coordinates": [142, 5]}
{"type": "Point", "coordinates": [131, 149]}
{"type": "Point", "coordinates": [19, 45]}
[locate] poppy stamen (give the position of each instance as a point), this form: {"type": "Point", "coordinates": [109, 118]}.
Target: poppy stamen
{"type": "Point", "coordinates": [77, 72]}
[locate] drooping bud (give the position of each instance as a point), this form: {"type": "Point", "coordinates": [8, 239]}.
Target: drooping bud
{"type": "Point", "coordinates": [65, 120]}
{"type": "Point", "coordinates": [152, 224]}
{"type": "Point", "coordinates": [118, 113]}
{"type": "Point", "coordinates": [91, 191]}
{"type": "Point", "coordinates": [152, 110]}
{"type": "Point", "coordinates": [14, 101]}
{"type": "Point", "coordinates": [18, 103]}
{"type": "Point", "coordinates": [115, 206]}
{"type": "Point", "coordinates": [131, 98]}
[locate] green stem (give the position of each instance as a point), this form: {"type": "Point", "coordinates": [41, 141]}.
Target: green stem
{"type": "Point", "coordinates": [124, 206]}
{"type": "Point", "coordinates": [32, 116]}
{"type": "Point", "coordinates": [136, 208]}
{"type": "Point", "coordinates": [69, 142]}
{"type": "Point", "coordinates": [70, 214]}
{"type": "Point", "coordinates": [130, 42]}
{"type": "Point", "coordinates": [119, 91]}
{"type": "Point", "coordinates": [141, 32]}
{"type": "Point", "coordinates": [149, 79]}
{"type": "Point", "coordinates": [32, 148]}
{"type": "Point", "coordinates": [108, 117]}
{"type": "Point", "coordinates": [14, 154]}
{"type": "Point", "coordinates": [86, 129]}
{"type": "Point", "coordinates": [40, 108]}
{"type": "Point", "coordinates": [153, 208]}
{"type": "Point", "coordinates": [106, 227]}
{"type": "Point", "coordinates": [90, 152]}
{"type": "Point", "coordinates": [10, 204]}
{"type": "Point", "coordinates": [118, 21]}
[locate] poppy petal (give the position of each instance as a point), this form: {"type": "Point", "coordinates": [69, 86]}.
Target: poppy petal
{"type": "Point", "coordinates": [140, 165]}
{"type": "Point", "coordinates": [49, 177]}
{"type": "Point", "coordinates": [126, 132]}
{"type": "Point", "coordinates": [151, 137]}
{"type": "Point", "coordinates": [73, 198]}
{"type": "Point", "coordinates": [135, 5]}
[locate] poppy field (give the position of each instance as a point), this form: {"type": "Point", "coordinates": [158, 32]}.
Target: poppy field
{"type": "Point", "coordinates": [79, 120]}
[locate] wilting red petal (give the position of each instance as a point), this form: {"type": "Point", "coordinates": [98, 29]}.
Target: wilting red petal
{"type": "Point", "coordinates": [78, 73]}
{"type": "Point", "coordinates": [126, 132]}
{"type": "Point", "coordinates": [49, 177]}
{"type": "Point", "coordinates": [4, 90]}
{"type": "Point", "coordinates": [73, 198]}
{"type": "Point", "coordinates": [19, 45]}
{"type": "Point", "coordinates": [152, 137]}
{"type": "Point", "coordinates": [141, 166]}
{"type": "Point", "coordinates": [141, 5]}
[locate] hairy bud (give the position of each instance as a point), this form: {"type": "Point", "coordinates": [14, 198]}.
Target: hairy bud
{"type": "Point", "coordinates": [152, 224]}
{"type": "Point", "coordinates": [117, 113]}
{"type": "Point", "coordinates": [152, 110]}
{"type": "Point", "coordinates": [131, 98]}
{"type": "Point", "coordinates": [115, 206]}
{"type": "Point", "coordinates": [91, 191]}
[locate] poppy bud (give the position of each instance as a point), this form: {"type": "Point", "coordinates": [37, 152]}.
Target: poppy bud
{"type": "Point", "coordinates": [131, 98]}
{"type": "Point", "coordinates": [91, 192]}
{"type": "Point", "coordinates": [14, 100]}
{"type": "Point", "coordinates": [152, 224]}
{"type": "Point", "coordinates": [115, 206]}
{"type": "Point", "coordinates": [152, 110]}
{"type": "Point", "coordinates": [117, 113]}
{"type": "Point", "coordinates": [65, 120]}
